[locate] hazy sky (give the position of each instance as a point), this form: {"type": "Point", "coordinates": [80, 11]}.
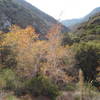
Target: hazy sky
{"type": "Point", "coordinates": [66, 9]}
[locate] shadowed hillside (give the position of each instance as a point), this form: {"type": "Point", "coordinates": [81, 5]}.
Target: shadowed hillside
{"type": "Point", "coordinates": [23, 14]}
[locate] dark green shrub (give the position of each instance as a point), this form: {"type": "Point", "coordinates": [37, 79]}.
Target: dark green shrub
{"type": "Point", "coordinates": [88, 57]}
{"type": "Point", "coordinates": [11, 82]}
{"type": "Point", "coordinates": [42, 86]}
{"type": "Point", "coordinates": [70, 87]}
{"type": "Point", "coordinates": [8, 77]}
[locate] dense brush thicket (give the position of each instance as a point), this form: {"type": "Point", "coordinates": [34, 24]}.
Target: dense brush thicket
{"type": "Point", "coordinates": [45, 67]}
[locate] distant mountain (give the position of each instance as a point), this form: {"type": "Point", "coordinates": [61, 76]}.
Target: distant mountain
{"type": "Point", "coordinates": [23, 14]}
{"type": "Point", "coordinates": [73, 22]}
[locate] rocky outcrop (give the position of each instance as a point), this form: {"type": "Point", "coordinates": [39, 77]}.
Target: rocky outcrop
{"type": "Point", "coordinates": [5, 23]}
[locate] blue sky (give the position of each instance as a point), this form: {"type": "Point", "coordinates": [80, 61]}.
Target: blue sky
{"type": "Point", "coordinates": [66, 9]}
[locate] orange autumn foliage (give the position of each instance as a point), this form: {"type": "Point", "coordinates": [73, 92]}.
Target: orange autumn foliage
{"type": "Point", "coordinates": [38, 56]}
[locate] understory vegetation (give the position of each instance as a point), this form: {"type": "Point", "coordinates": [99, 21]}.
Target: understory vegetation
{"type": "Point", "coordinates": [30, 66]}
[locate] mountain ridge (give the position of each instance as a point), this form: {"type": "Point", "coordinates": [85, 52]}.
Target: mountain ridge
{"type": "Point", "coordinates": [23, 14]}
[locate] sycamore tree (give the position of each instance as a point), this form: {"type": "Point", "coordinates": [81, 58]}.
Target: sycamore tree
{"type": "Point", "coordinates": [58, 57]}
{"type": "Point", "coordinates": [27, 48]}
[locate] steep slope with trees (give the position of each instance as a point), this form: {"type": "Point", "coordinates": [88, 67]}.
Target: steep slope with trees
{"type": "Point", "coordinates": [89, 30]}
{"type": "Point", "coordinates": [22, 13]}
